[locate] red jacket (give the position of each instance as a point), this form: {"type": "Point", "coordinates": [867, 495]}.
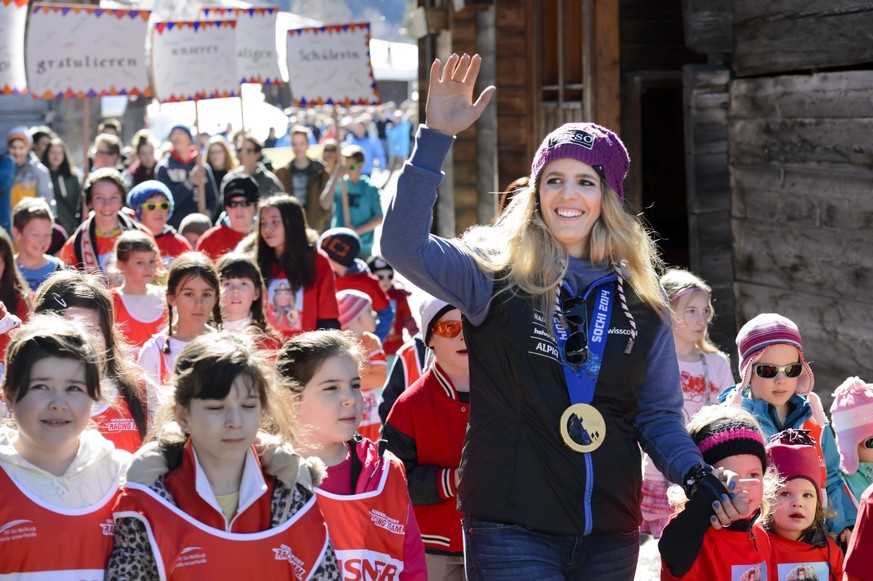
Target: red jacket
{"type": "Point", "coordinates": [729, 555]}
{"type": "Point", "coordinates": [218, 241]}
{"type": "Point", "coordinates": [367, 284]}
{"type": "Point", "coordinates": [403, 319]}
{"type": "Point", "coordinates": [426, 430]}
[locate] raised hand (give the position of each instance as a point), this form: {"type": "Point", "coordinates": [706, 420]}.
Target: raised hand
{"type": "Point", "coordinates": [450, 108]}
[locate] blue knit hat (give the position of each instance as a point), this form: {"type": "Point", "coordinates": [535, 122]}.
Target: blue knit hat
{"type": "Point", "coordinates": [142, 192]}
{"type": "Point", "coordinates": [184, 128]}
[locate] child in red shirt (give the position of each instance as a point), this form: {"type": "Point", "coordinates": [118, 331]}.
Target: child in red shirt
{"type": "Point", "coordinates": [797, 524]}
{"type": "Point", "coordinates": [715, 536]}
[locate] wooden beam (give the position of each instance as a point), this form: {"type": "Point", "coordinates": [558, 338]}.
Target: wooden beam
{"type": "Point", "coordinates": [607, 66]}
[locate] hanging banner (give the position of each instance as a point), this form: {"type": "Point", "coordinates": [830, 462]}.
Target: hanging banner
{"type": "Point", "coordinates": [77, 51]}
{"type": "Point", "coordinates": [257, 59]}
{"type": "Point", "coordinates": [13, 18]}
{"type": "Point", "coordinates": [330, 65]}
{"type": "Point", "coordinates": [194, 60]}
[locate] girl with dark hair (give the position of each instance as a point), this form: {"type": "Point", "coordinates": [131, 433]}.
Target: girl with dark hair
{"type": "Point", "coordinates": [123, 415]}
{"type": "Point", "coordinates": [287, 252]}
{"type": "Point", "coordinates": [200, 501]}
{"type": "Point", "coordinates": [242, 300]}
{"type": "Point", "coordinates": [144, 162]}
{"type": "Point", "coordinates": [59, 479]}
{"type": "Point", "coordinates": [14, 290]}
{"type": "Point", "coordinates": [66, 182]}
{"type": "Point", "coordinates": [192, 291]}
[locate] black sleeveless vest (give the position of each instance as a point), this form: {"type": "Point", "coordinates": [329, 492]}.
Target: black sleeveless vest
{"type": "Point", "coordinates": [515, 466]}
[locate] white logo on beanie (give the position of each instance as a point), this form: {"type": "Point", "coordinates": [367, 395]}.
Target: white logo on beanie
{"type": "Point", "coordinates": [573, 137]}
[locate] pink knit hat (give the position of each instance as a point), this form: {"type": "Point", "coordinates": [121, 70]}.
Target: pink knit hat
{"type": "Point", "coordinates": [589, 143]}
{"type": "Point", "coordinates": [756, 337]}
{"type": "Point", "coordinates": [351, 304]}
{"type": "Point", "coordinates": [763, 332]}
{"type": "Point", "coordinates": [852, 412]}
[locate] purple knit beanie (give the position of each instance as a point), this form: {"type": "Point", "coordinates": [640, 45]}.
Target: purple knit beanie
{"type": "Point", "coordinates": [589, 143]}
{"type": "Point", "coordinates": [852, 413]}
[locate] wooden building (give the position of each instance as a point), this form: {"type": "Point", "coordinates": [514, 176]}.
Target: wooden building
{"type": "Point", "coordinates": [748, 127]}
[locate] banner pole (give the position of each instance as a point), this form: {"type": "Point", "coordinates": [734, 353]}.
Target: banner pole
{"type": "Point", "coordinates": [242, 109]}
{"type": "Point", "coordinates": [86, 145]}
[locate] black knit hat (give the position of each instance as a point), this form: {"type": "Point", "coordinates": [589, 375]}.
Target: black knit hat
{"type": "Point", "coordinates": [730, 437]}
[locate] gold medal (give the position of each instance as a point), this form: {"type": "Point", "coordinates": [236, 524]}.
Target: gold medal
{"type": "Point", "coordinates": [582, 428]}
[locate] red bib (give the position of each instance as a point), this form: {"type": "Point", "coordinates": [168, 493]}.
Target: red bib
{"type": "Point", "coordinates": [117, 425]}
{"type": "Point", "coordinates": [367, 530]}
{"type": "Point", "coordinates": [185, 548]}
{"type": "Point", "coordinates": [41, 541]}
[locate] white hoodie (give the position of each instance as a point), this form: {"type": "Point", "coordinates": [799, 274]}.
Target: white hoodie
{"type": "Point", "coordinates": [93, 471]}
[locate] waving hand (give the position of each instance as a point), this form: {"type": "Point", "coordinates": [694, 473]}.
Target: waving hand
{"type": "Point", "coordinates": [450, 108]}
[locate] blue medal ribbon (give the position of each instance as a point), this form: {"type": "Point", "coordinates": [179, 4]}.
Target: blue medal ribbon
{"type": "Point", "coordinates": [582, 379]}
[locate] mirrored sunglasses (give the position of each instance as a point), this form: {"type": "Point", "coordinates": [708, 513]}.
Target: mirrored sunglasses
{"type": "Point", "coordinates": [767, 371]}
{"type": "Point", "coordinates": [151, 206]}
{"type": "Point", "coordinates": [448, 329]}
{"type": "Point", "coordinates": [868, 443]}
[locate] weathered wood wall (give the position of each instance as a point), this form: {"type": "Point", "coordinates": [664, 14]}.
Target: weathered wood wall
{"type": "Point", "coordinates": [775, 36]}
{"type": "Point", "coordinates": [706, 96]}
{"type": "Point", "coordinates": [707, 25]}
{"type": "Point", "coordinates": [515, 97]}
{"type": "Point", "coordinates": [801, 164]}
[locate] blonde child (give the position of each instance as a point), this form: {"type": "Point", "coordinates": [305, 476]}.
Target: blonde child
{"type": "Point", "coordinates": [703, 372]}
{"type": "Point", "coordinates": [140, 307]}
{"type": "Point", "coordinates": [192, 298]}
{"type": "Point", "coordinates": [59, 479]}
{"type": "Point", "coordinates": [358, 317]}
{"type": "Point", "coordinates": [201, 503]}
{"type": "Point", "coordinates": [776, 387]}
{"type": "Point", "coordinates": [801, 548]}
{"type": "Point", "coordinates": [715, 536]}
{"type": "Point", "coordinates": [852, 413]}
{"type": "Point", "coordinates": [364, 497]}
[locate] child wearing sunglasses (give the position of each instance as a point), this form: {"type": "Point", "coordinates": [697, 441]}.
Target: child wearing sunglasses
{"type": "Point", "coordinates": [776, 387]}
{"type": "Point", "coordinates": [426, 429]}
{"type": "Point", "coordinates": [852, 413]}
{"type": "Point", "coordinates": [152, 203]}
{"type": "Point", "coordinates": [358, 317]}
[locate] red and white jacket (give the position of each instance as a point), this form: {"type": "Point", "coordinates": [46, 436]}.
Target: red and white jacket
{"type": "Point", "coordinates": [192, 539]}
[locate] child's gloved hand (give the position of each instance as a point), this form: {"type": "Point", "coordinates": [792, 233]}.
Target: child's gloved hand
{"type": "Point", "coordinates": [730, 506]}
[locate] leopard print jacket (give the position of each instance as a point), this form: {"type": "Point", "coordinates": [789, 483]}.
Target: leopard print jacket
{"type": "Point", "coordinates": [132, 557]}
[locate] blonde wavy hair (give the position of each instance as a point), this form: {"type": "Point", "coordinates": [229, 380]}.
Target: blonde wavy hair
{"type": "Point", "coordinates": [680, 285]}
{"type": "Point", "coordinates": [520, 245]}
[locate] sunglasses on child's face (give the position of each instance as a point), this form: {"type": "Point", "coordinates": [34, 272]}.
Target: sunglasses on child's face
{"type": "Point", "coordinates": [151, 206]}
{"type": "Point", "coordinates": [239, 204]}
{"type": "Point", "coordinates": [868, 443]}
{"type": "Point", "coordinates": [767, 371]}
{"type": "Point", "coordinates": [448, 329]}
{"type": "Point", "coordinates": [353, 166]}
{"type": "Point", "coordinates": [388, 276]}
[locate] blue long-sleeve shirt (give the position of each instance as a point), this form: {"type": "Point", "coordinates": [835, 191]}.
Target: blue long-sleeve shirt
{"type": "Point", "coordinates": [443, 269]}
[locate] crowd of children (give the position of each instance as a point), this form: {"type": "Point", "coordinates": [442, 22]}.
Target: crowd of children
{"type": "Point", "coordinates": [146, 435]}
